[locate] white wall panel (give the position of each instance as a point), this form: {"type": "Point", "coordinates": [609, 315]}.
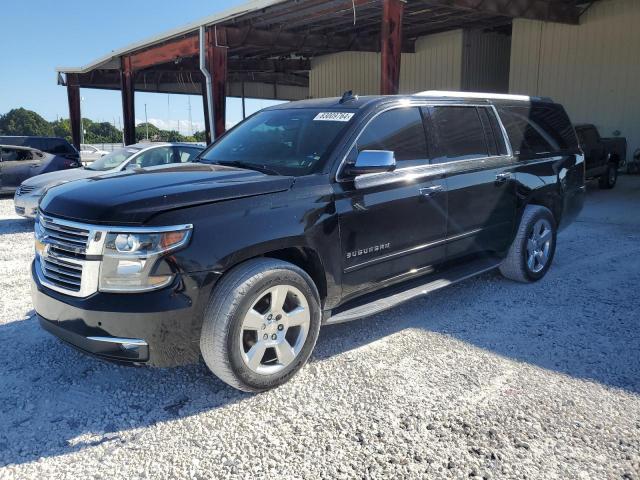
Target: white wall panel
{"type": "Point", "coordinates": [592, 68]}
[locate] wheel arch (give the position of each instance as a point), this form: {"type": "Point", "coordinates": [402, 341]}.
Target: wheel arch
{"type": "Point", "coordinates": [547, 198]}
{"type": "Point", "coordinates": [296, 253]}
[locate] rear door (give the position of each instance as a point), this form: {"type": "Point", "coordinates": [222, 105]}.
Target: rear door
{"type": "Point", "coordinates": [392, 225]}
{"type": "Point", "coordinates": [479, 178]}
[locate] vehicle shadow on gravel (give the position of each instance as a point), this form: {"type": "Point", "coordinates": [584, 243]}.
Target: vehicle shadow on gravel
{"type": "Point", "coordinates": [14, 225]}
{"type": "Point", "coordinates": [598, 344]}
{"type": "Point", "coordinates": [58, 401]}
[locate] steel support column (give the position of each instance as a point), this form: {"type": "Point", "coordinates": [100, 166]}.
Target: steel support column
{"type": "Point", "coordinates": [217, 65]}
{"type": "Point", "coordinates": [128, 110]}
{"type": "Point", "coordinates": [73, 94]}
{"type": "Point", "coordinates": [205, 108]}
{"type": "Point", "coordinates": [391, 46]}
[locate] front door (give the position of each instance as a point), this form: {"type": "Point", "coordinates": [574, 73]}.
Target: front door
{"type": "Point", "coordinates": [480, 182]}
{"type": "Point", "coordinates": [392, 225]}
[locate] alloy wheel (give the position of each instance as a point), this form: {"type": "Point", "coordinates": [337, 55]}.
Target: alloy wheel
{"type": "Point", "coordinates": [274, 329]}
{"type": "Point", "coordinates": [539, 245]}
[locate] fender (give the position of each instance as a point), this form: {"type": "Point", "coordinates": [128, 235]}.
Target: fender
{"type": "Point", "coordinates": [230, 232]}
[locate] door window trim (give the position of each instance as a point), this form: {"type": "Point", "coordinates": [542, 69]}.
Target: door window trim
{"type": "Point", "coordinates": [425, 168]}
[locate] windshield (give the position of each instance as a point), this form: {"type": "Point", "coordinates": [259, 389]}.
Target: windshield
{"type": "Point", "coordinates": [282, 142]}
{"type": "Point", "coordinates": [113, 159]}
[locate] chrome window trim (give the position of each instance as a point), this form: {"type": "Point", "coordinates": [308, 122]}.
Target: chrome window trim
{"type": "Point", "coordinates": [419, 104]}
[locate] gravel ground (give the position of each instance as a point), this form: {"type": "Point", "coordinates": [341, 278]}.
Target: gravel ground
{"type": "Point", "coordinates": [487, 378]}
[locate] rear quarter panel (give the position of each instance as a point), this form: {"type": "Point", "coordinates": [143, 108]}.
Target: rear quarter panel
{"type": "Point", "coordinates": [557, 182]}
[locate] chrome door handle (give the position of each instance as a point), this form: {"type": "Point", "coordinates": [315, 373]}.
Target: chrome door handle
{"type": "Point", "coordinates": [429, 191]}
{"type": "Point", "coordinates": [503, 177]}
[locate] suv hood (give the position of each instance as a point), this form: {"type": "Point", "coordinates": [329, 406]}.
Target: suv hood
{"type": "Point", "coordinates": [132, 197]}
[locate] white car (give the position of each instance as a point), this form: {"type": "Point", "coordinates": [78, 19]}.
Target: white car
{"type": "Point", "coordinates": [140, 155]}
{"type": "Point", "coordinates": [89, 153]}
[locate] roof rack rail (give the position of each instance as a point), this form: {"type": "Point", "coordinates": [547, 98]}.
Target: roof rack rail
{"type": "Point", "coordinates": [488, 96]}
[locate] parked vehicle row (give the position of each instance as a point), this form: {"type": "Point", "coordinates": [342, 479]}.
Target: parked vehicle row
{"type": "Point", "coordinates": [142, 155]}
{"type": "Point", "coordinates": [89, 153]}
{"type": "Point", "coordinates": [17, 163]}
{"type": "Point", "coordinates": [319, 211]}
{"type": "Point", "coordinates": [604, 156]}
{"type": "Point", "coordinates": [53, 145]}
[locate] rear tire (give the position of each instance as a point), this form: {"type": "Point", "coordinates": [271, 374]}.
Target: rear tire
{"type": "Point", "coordinates": [261, 324]}
{"type": "Point", "coordinates": [610, 177]}
{"type": "Point", "coordinates": [533, 249]}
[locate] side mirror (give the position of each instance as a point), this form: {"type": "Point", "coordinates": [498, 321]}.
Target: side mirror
{"type": "Point", "coordinates": [372, 161]}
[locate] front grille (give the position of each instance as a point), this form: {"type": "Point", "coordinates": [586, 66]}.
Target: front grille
{"type": "Point", "coordinates": [24, 189]}
{"type": "Point", "coordinates": [61, 273]}
{"type": "Point", "coordinates": [68, 262]}
{"type": "Point", "coordinates": [64, 237]}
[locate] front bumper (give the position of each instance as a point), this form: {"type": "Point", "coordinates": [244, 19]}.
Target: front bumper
{"type": "Point", "coordinates": [26, 205]}
{"type": "Point", "coordinates": [160, 328]}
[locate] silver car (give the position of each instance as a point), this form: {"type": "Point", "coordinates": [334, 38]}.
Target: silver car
{"type": "Point", "coordinates": [141, 155]}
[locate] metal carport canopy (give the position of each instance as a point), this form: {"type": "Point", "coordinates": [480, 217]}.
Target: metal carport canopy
{"type": "Point", "coordinates": [263, 48]}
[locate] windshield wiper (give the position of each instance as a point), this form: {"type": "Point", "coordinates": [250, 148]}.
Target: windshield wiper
{"type": "Point", "coordinates": [248, 166]}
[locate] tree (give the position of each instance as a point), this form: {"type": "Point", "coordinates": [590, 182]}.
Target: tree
{"type": "Point", "coordinates": [154, 132]}
{"type": "Point", "coordinates": [62, 128]}
{"type": "Point", "coordinates": [101, 132]}
{"type": "Point", "coordinates": [200, 136]}
{"type": "Point", "coordinates": [21, 121]}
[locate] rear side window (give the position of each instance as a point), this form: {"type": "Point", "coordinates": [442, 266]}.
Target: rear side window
{"type": "Point", "coordinates": [187, 154]}
{"type": "Point", "coordinates": [58, 146]}
{"type": "Point", "coordinates": [460, 134]}
{"type": "Point", "coordinates": [588, 136]}
{"type": "Point", "coordinates": [400, 131]}
{"type": "Point", "coordinates": [536, 129]}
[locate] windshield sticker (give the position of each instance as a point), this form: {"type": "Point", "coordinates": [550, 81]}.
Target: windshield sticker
{"type": "Point", "coordinates": [334, 117]}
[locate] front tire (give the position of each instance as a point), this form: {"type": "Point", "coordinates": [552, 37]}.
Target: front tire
{"type": "Point", "coordinates": [261, 324]}
{"type": "Point", "coordinates": [533, 249]}
{"type": "Point", "coordinates": [610, 177]}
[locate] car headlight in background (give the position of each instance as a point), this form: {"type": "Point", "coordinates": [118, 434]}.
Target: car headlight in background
{"type": "Point", "coordinates": [129, 258]}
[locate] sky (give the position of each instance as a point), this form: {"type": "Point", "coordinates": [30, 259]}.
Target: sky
{"type": "Point", "coordinates": [40, 35]}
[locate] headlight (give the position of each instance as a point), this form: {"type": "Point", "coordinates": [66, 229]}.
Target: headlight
{"type": "Point", "coordinates": [129, 258]}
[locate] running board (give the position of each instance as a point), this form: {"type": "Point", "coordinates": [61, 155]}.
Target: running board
{"type": "Point", "coordinates": [434, 282]}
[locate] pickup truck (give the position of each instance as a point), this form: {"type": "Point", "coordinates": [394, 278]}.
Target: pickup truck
{"type": "Point", "coordinates": [308, 213]}
{"type": "Point", "coordinates": [603, 156]}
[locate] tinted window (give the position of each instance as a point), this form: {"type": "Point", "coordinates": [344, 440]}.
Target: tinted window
{"type": "Point", "coordinates": [58, 146]}
{"type": "Point", "coordinates": [187, 154]}
{"type": "Point", "coordinates": [400, 131]}
{"type": "Point", "coordinates": [538, 128]}
{"type": "Point", "coordinates": [11, 155]}
{"type": "Point", "coordinates": [588, 136]}
{"type": "Point", "coordinates": [460, 133]}
{"type": "Point", "coordinates": [496, 130]}
{"type": "Point", "coordinates": [155, 157]}
{"type": "Point", "coordinates": [286, 141]}
{"type": "Point", "coordinates": [113, 159]}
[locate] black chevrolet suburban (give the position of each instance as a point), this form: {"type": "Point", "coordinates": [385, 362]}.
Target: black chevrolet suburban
{"type": "Point", "coordinates": [308, 213]}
